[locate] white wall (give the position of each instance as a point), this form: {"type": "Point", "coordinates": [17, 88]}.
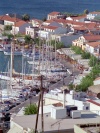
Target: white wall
{"type": "Point", "coordinates": [96, 82]}
{"type": "Point", "coordinates": [43, 34]}
{"type": "Point", "coordinates": [8, 22]}
{"type": "Point", "coordinates": [69, 100]}
{"type": "Point", "coordinates": [89, 48]}
{"type": "Point", "coordinates": [94, 108]}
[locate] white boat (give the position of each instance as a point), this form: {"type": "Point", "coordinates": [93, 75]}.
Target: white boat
{"type": "Point", "coordinates": [17, 52]}
{"type": "Point", "coordinates": [1, 48]}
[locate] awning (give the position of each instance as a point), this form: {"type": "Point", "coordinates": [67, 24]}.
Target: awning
{"type": "Point", "coordinates": [15, 129]}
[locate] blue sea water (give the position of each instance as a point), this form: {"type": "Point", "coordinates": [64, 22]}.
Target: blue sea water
{"type": "Point", "coordinates": [5, 64]}
{"type": "Point", "coordinates": [40, 8]}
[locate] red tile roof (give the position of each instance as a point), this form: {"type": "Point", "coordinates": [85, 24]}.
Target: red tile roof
{"type": "Point", "coordinates": [50, 27]}
{"type": "Point", "coordinates": [20, 23]}
{"type": "Point", "coordinates": [79, 28]}
{"type": "Point", "coordinates": [91, 25]}
{"type": "Point", "coordinates": [94, 12]}
{"type": "Point", "coordinates": [91, 101]}
{"type": "Point", "coordinates": [92, 37]}
{"type": "Point", "coordinates": [78, 17]}
{"type": "Point", "coordinates": [64, 21]}
{"type": "Point", "coordinates": [54, 13]}
{"type": "Point", "coordinates": [8, 18]}
{"type": "Point", "coordinates": [94, 44]}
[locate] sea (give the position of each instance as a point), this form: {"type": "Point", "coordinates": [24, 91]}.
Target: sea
{"type": "Point", "coordinates": [39, 9]}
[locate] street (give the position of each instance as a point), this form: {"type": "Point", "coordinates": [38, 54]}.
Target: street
{"type": "Point", "coordinates": [24, 104]}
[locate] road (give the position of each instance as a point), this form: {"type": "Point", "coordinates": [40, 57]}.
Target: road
{"type": "Point", "coordinates": [68, 79]}
{"type": "Point", "coordinates": [24, 104]}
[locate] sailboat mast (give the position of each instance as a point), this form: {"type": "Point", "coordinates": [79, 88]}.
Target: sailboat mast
{"type": "Point", "coordinates": [33, 53]}
{"type": "Point", "coordinates": [11, 67]}
{"type": "Point", "coordinates": [55, 50]}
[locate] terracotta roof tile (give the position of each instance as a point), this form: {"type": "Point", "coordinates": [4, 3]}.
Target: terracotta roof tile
{"type": "Point", "coordinates": [94, 12]}
{"type": "Point", "coordinates": [79, 17]}
{"type": "Point", "coordinates": [94, 44]}
{"type": "Point", "coordinates": [50, 27]}
{"type": "Point", "coordinates": [20, 23]}
{"type": "Point", "coordinates": [79, 28]}
{"type": "Point", "coordinates": [91, 101]}
{"type": "Point", "coordinates": [92, 37]}
{"type": "Point", "coordinates": [54, 13]}
{"type": "Point", "coordinates": [8, 18]}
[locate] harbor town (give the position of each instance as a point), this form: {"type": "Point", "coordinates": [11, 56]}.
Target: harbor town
{"type": "Point", "coordinates": [61, 92]}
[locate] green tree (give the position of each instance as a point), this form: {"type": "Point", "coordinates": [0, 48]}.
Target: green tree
{"type": "Point", "coordinates": [57, 43]}
{"type": "Point", "coordinates": [85, 83]}
{"type": "Point", "coordinates": [95, 72]}
{"type": "Point", "coordinates": [77, 49]}
{"type": "Point", "coordinates": [86, 11]}
{"type": "Point", "coordinates": [8, 27]}
{"type": "Point", "coordinates": [28, 39]}
{"type": "Point", "coordinates": [26, 17]}
{"type": "Point", "coordinates": [93, 61]}
{"type": "Point", "coordinates": [31, 109]}
{"type": "Point", "coordinates": [8, 35]}
{"type": "Point", "coordinates": [44, 19]}
{"type": "Point", "coordinates": [86, 55]}
{"type": "Point", "coordinates": [71, 86]}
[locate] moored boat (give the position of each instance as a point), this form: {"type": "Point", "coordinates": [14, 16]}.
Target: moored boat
{"type": "Point", "coordinates": [17, 52]}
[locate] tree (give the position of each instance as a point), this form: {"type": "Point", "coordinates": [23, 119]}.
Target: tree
{"type": "Point", "coordinates": [85, 55]}
{"type": "Point", "coordinates": [28, 39]}
{"type": "Point", "coordinates": [8, 35]}
{"type": "Point", "coordinates": [8, 27]}
{"type": "Point", "coordinates": [58, 44]}
{"type": "Point", "coordinates": [95, 72]}
{"type": "Point", "coordinates": [44, 19]}
{"type": "Point", "coordinates": [71, 86]}
{"type": "Point", "coordinates": [77, 49]}
{"type": "Point", "coordinates": [31, 109]}
{"type": "Point", "coordinates": [85, 83]}
{"type": "Point", "coordinates": [26, 17]}
{"type": "Point", "coordinates": [93, 61]}
{"type": "Point", "coordinates": [86, 11]}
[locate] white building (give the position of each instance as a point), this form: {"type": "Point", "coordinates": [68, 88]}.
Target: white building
{"type": "Point", "coordinates": [66, 39]}
{"type": "Point", "coordinates": [20, 27]}
{"type": "Point", "coordinates": [31, 31]}
{"type": "Point", "coordinates": [50, 30]}
{"type": "Point", "coordinates": [92, 15]}
{"type": "Point", "coordinates": [92, 47]}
